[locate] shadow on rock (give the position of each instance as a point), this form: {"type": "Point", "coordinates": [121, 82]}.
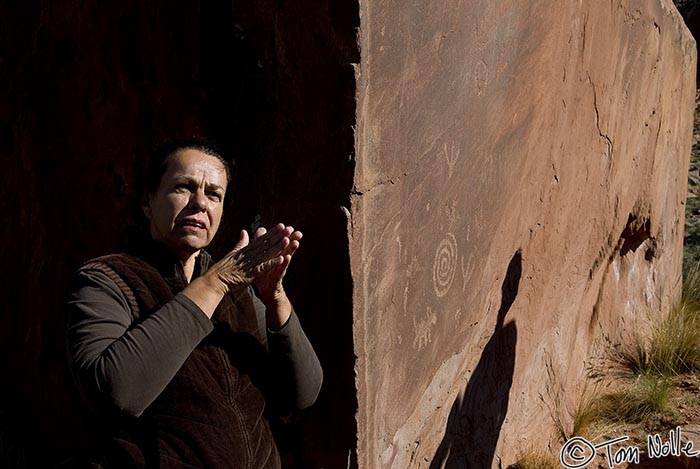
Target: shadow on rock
{"type": "Point", "coordinates": [475, 420]}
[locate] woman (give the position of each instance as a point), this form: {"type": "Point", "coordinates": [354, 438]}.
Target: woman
{"type": "Point", "coordinates": [177, 357]}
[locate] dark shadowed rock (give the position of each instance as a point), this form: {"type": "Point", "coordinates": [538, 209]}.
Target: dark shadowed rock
{"type": "Point", "coordinates": [560, 130]}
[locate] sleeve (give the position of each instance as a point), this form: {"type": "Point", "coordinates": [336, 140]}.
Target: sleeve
{"type": "Point", "coordinates": [298, 374]}
{"type": "Point", "coordinates": [120, 365]}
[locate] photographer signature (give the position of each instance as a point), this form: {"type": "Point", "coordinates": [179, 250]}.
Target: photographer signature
{"type": "Point", "coordinates": [578, 452]}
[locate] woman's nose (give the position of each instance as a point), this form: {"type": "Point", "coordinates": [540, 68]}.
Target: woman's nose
{"type": "Point", "coordinates": [198, 200]}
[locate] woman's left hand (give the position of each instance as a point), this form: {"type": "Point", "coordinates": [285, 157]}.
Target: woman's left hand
{"type": "Point", "coordinates": [269, 284]}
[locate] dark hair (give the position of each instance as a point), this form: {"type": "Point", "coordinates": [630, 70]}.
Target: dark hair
{"type": "Point", "coordinates": [159, 159]}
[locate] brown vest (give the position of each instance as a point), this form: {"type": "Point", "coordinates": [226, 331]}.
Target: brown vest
{"type": "Point", "coordinates": [211, 413]}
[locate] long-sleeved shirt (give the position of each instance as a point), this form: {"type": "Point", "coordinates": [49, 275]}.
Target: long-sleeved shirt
{"type": "Point", "coordinates": [122, 360]}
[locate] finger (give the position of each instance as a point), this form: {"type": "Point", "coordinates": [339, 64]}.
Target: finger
{"type": "Point", "coordinates": [285, 263]}
{"type": "Point", "coordinates": [258, 256]}
{"type": "Point", "coordinates": [276, 232]}
{"type": "Point", "coordinates": [291, 249]}
{"type": "Point", "coordinates": [271, 243]}
{"type": "Point", "coordinates": [296, 236]}
{"type": "Point", "coordinates": [282, 269]}
{"type": "Point", "coordinates": [270, 235]}
{"type": "Point", "coordinates": [294, 243]}
{"type": "Point", "coordinates": [275, 275]}
{"type": "Point", "coordinates": [265, 267]}
{"type": "Point", "coordinates": [242, 241]}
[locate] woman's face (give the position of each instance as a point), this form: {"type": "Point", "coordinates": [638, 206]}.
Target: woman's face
{"type": "Point", "coordinates": [186, 210]}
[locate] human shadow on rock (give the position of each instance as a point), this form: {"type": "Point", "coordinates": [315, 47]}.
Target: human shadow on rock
{"type": "Point", "coordinates": [475, 420]}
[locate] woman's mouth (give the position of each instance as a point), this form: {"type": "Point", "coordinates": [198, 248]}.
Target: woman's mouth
{"type": "Point", "coordinates": [192, 225]}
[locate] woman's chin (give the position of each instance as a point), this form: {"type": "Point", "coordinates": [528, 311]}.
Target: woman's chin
{"type": "Point", "coordinates": [186, 246]}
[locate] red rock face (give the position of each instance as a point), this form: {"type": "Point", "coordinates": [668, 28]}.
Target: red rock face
{"type": "Point", "coordinates": [519, 198]}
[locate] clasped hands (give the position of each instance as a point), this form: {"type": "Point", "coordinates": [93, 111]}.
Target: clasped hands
{"type": "Point", "coordinates": [262, 262]}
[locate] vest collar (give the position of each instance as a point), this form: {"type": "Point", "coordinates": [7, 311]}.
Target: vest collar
{"type": "Point", "coordinates": [166, 261]}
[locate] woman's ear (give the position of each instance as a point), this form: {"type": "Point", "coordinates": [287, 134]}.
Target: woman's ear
{"type": "Point", "coordinates": [146, 206]}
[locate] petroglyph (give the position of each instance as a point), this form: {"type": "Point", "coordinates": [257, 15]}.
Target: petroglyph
{"type": "Point", "coordinates": [479, 218]}
{"type": "Point", "coordinates": [445, 265]}
{"type": "Point", "coordinates": [467, 268]}
{"type": "Point", "coordinates": [451, 156]}
{"type": "Point", "coordinates": [481, 77]}
{"type": "Point", "coordinates": [423, 329]}
{"type": "Point", "coordinates": [412, 268]}
{"type": "Point", "coordinates": [405, 299]}
{"type": "Point", "coordinates": [451, 211]}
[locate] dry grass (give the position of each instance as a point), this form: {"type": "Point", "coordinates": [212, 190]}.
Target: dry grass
{"type": "Point", "coordinates": [586, 416]}
{"type": "Point", "coordinates": [648, 368]}
{"type": "Point", "coordinates": [636, 400]}
{"type": "Point", "coordinates": [535, 459]}
{"type": "Point", "coordinates": [639, 400]}
{"type": "Point", "coordinates": [691, 285]}
{"type": "Point", "coordinates": [673, 347]}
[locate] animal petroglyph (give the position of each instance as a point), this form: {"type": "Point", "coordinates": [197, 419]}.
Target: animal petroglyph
{"type": "Point", "coordinates": [445, 265]}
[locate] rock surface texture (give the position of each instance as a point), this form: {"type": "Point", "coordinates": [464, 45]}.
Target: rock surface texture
{"type": "Point", "coordinates": [518, 204]}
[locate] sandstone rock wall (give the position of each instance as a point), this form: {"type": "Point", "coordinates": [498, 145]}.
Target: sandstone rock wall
{"type": "Point", "coordinates": [518, 201]}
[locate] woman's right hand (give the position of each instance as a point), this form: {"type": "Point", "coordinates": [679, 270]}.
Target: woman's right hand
{"type": "Point", "coordinates": [249, 260]}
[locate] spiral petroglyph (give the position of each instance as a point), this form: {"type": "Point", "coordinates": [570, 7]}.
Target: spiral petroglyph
{"type": "Point", "coordinates": [445, 265]}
